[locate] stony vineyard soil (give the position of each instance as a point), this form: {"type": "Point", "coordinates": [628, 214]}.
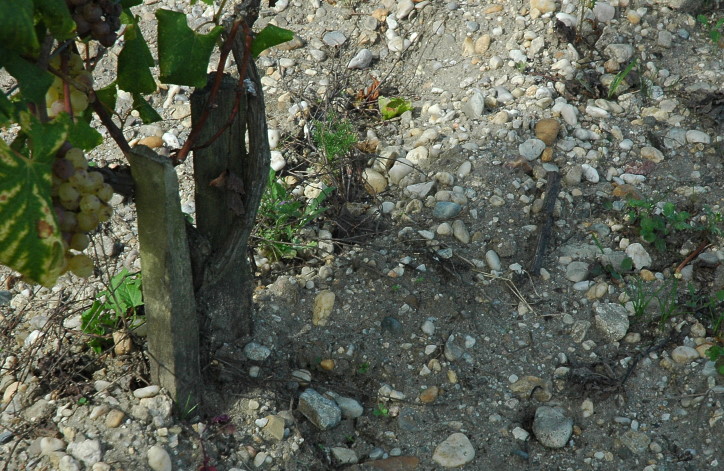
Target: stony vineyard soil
{"type": "Point", "coordinates": [416, 335]}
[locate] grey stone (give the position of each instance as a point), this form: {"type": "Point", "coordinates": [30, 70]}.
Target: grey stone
{"type": "Point", "coordinates": [493, 260]}
{"type": "Point", "coordinates": [503, 95]}
{"type": "Point", "coordinates": [577, 271]}
{"type": "Point", "coordinates": [392, 325]}
{"type": "Point", "coordinates": [404, 8]}
{"type": "Point", "coordinates": [362, 60]}
{"type": "Point", "coordinates": [256, 352]}
{"type": "Point", "coordinates": [351, 408]}
{"type": "Point", "coordinates": [612, 321]}
{"type": "Point", "coordinates": [684, 354]}
{"type": "Point", "coordinates": [446, 210]}
{"type": "Point", "coordinates": [639, 256]}
{"type": "Point", "coordinates": [455, 451]}
{"type": "Point", "coordinates": [420, 190]}
{"type": "Point", "coordinates": [322, 412]}
{"type": "Point", "coordinates": [694, 137]}
{"type": "Point", "coordinates": [551, 427]}
{"type": "Point", "coordinates": [619, 52]}
{"type": "Point", "coordinates": [532, 148]}
{"type": "Point", "coordinates": [148, 391]}
{"type": "Point", "coordinates": [344, 455]}
{"type": "Point", "coordinates": [158, 459]}
{"type": "Point", "coordinates": [334, 38]}
{"type": "Point", "coordinates": [88, 451]}
{"type": "Point", "coordinates": [636, 441]}
{"type": "Point", "coordinates": [475, 105]}
{"type": "Point", "coordinates": [603, 12]}
{"type": "Point", "coordinates": [461, 232]}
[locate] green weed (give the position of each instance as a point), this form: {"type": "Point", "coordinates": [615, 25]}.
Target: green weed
{"type": "Point", "coordinates": [363, 368]}
{"type": "Point", "coordinates": [620, 77]}
{"type": "Point", "coordinates": [714, 28]}
{"type": "Point", "coordinates": [333, 136]}
{"type": "Point", "coordinates": [281, 217]}
{"type": "Point", "coordinates": [656, 225]}
{"type": "Point", "coordinates": [381, 410]}
{"type": "Point", "coordinates": [115, 307]}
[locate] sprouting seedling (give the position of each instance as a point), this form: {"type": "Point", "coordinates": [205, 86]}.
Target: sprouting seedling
{"type": "Point", "coordinates": [620, 77]}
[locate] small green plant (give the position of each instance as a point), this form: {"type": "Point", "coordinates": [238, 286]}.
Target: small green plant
{"type": "Point", "coordinates": [714, 28]}
{"type": "Point", "coordinates": [393, 107]}
{"type": "Point", "coordinates": [716, 354]}
{"type": "Point", "coordinates": [620, 77]}
{"type": "Point", "coordinates": [396, 288]}
{"type": "Point", "coordinates": [115, 307]}
{"type": "Point", "coordinates": [364, 368]}
{"type": "Point", "coordinates": [334, 136]}
{"type": "Point", "coordinates": [381, 410]}
{"type": "Point", "coordinates": [709, 307]}
{"type": "Point", "coordinates": [655, 224]}
{"type": "Point", "coordinates": [281, 217]}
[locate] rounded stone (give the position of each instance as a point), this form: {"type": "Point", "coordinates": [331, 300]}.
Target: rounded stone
{"type": "Point", "coordinates": [158, 459]}
{"type": "Point", "coordinates": [551, 427]}
{"type": "Point", "coordinates": [684, 354]}
{"type": "Point", "coordinates": [547, 130]}
{"type": "Point", "coordinates": [446, 210]}
{"type": "Point", "coordinates": [454, 452]}
{"type": "Point", "coordinates": [531, 149]}
{"type": "Point", "coordinates": [577, 271]}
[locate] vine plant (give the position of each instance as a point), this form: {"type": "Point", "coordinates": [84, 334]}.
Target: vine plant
{"type": "Point", "coordinates": [50, 199]}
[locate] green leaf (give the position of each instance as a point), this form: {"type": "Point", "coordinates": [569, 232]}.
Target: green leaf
{"type": "Point", "coordinates": [33, 81]}
{"type": "Point", "coordinates": [183, 55]}
{"type": "Point", "coordinates": [7, 110]}
{"type": "Point", "coordinates": [130, 3]}
{"type": "Point", "coordinates": [83, 136]}
{"type": "Point", "coordinates": [626, 264]}
{"type": "Point", "coordinates": [30, 241]}
{"type": "Point", "coordinates": [107, 96]}
{"type": "Point", "coordinates": [268, 37]}
{"type": "Point", "coordinates": [17, 27]}
{"type": "Point", "coordinates": [57, 19]}
{"type": "Point", "coordinates": [134, 61]}
{"type": "Point", "coordinates": [145, 110]}
{"type": "Point", "coordinates": [392, 107]}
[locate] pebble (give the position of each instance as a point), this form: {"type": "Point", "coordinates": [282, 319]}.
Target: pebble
{"type": "Point", "coordinates": [323, 306]}
{"type": "Point", "coordinates": [639, 256]}
{"type": "Point", "coordinates": [148, 391]}
{"type": "Point", "coordinates": [322, 412]}
{"type": "Point", "coordinates": [455, 451]}
{"type": "Point", "coordinates": [569, 114]}
{"type": "Point", "coordinates": [596, 112]}
{"type": "Point", "coordinates": [446, 210]}
{"type": "Point", "coordinates": [158, 459]}
{"type": "Point", "coordinates": [531, 149]}
{"type": "Point", "coordinates": [621, 53]}
{"type": "Point", "coordinates": [88, 451]}
{"type": "Point", "coordinates": [362, 60]}
{"type": "Point", "coordinates": [400, 169]}
{"type": "Point", "coordinates": [684, 354]}
{"type": "Point", "coordinates": [577, 271]}
{"type": "Point", "coordinates": [49, 445]}
{"type": "Point", "coordinates": [475, 106]}
{"type": "Point", "coordinates": [351, 408]}
{"type": "Point", "coordinates": [344, 455]}
{"type": "Point", "coordinates": [256, 352]}
{"type": "Point", "coordinates": [375, 182]}
{"type": "Point", "coordinates": [543, 6]}
{"type": "Point", "coordinates": [590, 173]}
{"type": "Point", "coordinates": [482, 44]}
{"type": "Point", "coordinates": [493, 260]}
{"type": "Point", "coordinates": [334, 38]}
{"type": "Point", "coordinates": [461, 232]}
{"type": "Point", "coordinates": [392, 325]}
{"type": "Point", "coordinates": [603, 12]}
{"type": "Point", "coordinates": [551, 427]}
{"type": "Point", "coordinates": [694, 137]}
{"type": "Point", "coordinates": [547, 130]}
{"type": "Point", "coordinates": [612, 320]}
{"type": "Point", "coordinates": [652, 153]}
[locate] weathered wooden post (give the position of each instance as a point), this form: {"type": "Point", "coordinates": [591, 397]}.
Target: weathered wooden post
{"type": "Point", "coordinates": [173, 339]}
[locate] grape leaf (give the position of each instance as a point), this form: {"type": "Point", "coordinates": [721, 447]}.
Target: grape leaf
{"type": "Point", "coordinates": [146, 111]}
{"type": "Point", "coordinates": [17, 30]}
{"type": "Point", "coordinates": [7, 110]}
{"type": "Point", "coordinates": [183, 55]}
{"type": "Point", "coordinates": [33, 81]}
{"type": "Point", "coordinates": [268, 37]}
{"type": "Point", "coordinates": [83, 136]}
{"type": "Point", "coordinates": [134, 62]}
{"type": "Point", "coordinates": [57, 18]}
{"type": "Point", "coordinates": [30, 241]}
{"type": "Point", "coordinates": [130, 3]}
{"type": "Point", "coordinates": [107, 96]}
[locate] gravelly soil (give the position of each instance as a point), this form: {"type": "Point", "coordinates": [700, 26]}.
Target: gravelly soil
{"type": "Point", "coordinates": [438, 324]}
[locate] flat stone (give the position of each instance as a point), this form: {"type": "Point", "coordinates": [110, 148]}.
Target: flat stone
{"type": "Point", "coordinates": [334, 38]}
{"type": "Point", "coordinates": [362, 60]}
{"type": "Point", "coordinates": [343, 455]}
{"type": "Point", "coordinates": [446, 210]}
{"type": "Point", "coordinates": [420, 190]}
{"type": "Point", "coordinates": [158, 459]}
{"type": "Point", "coordinates": [684, 354]}
{"type": "Point", "coordinates": [621, 53]}
{"type": "Point", "coordinates": [454, 452]}
{"type": "Point", "coordinates": [274, 428]}
{"type": "Point", "coordinates": [322, 412]}
{"type": "Point", "coordinates": [551, 427]}
{"type": "Point", "coordinates": [475, 105]}
{"type": "Point", "coordinates": [638, 255]}
{"type": "Point", "coordinates": [531, 149]}
{"type": "Point", "coordinates": [652, 153]}
{"type": "Point", "coordinates": [636, 441]}
{"type": "Point", "coordinates": [256, 352]}
{"type": "Point", "coordinates": [49, 445]}
{"type": "Point", "coordinates": [612, 321]}
{"type": "Point", "coordinates": [577, 271]}
{"type": "Point", "coordinates": [88, 451]}
{"type": "Point", "coordinates": [694, 137]}
{"type": "Point", "coordinates": [351, 408]}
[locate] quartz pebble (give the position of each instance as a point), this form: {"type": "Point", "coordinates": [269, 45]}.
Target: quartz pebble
{"type": "Point", "coordinates": [455, 451]}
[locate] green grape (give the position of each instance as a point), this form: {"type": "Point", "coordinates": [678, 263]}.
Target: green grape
{"type": "Point", "coordinates": [79, 241]}
{"type": "Point", "coordinates": [70, 205]}
{"type": "Point", "coordinates": [78, 101]}
{"type": "Point", "coordinates": [104, 213]}
{"type": "Point", "coordinates": [87, 221]}
{"type": "Point", "coordinates": [76, 157]}
{"type": "Point", "coordinates": [89, 204]}
{"type": "Point", "coordinates": [56, 108]}
{"type": "Point", "coordinates": [67, 221]}
{"type": "Point", "coordinates": [105, 192]}
{"type": "Point", "coordinates": [66, 191]}
{"type": "Point", "coordinates": [81, 265]}
{"type": "Point", "coordinates": [95, 181]}
{"type": "Point", "coordinates": [79, 179]}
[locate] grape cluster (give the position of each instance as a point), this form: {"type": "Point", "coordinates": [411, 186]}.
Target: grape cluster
{"type": "Point", "coordinates": [55, 96]}
{"type": "Point", "coordinates": [80, 199]}
{"type": "Point", "coordinates": [99, 18]}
